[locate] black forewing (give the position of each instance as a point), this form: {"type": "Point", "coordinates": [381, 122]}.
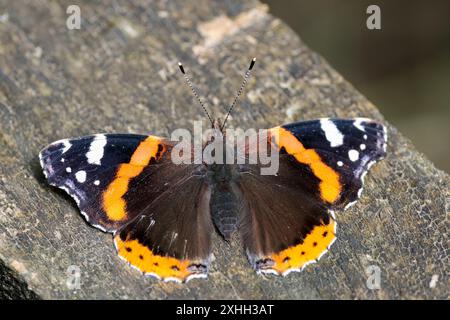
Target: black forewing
{"type": "Point", "coordinates": [66, 165]}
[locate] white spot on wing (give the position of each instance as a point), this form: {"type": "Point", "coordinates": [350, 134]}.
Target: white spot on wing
{"type": "Point", "coordinates": [66, 144]}
{"type": "Point", "coordinates": [333, 215]}
{"type": "Point", "coordinates": [363, 176]}
{"type": "Point", "coordinates": [340, 163]}
{"type": "Point", "coordinates": [172, 279]}
{"type": "Point", "coordinates": [97, 182]}
{"type": "Point", "coordinates": [99, 227]}
{"type": "Point", "coordinates": [196, 276]}
{"type": "Point", "coordinates": [362, 146]}
{"type": "Point", "coordinates": [349, 205]}
{"type": "Point", "coordinates": [370, 164]}
{"type": "Point", "coordinates": [360, 192]}
{"type": "Point", "coordinates": [332, 133]}
{"type": "Point", "coordinates": [151, 274]}
{"type": "Point", "coordinates": [77, 194]}
{"type": "Point", "coordinates": [69, 169]}
{"type": "Point", "coordinates": [358, 123]}
{"type": "Point", "coordinates": [80, 176]}
{"type": "Point", "coordinates": [85, 215]}
{"type": "Point", "coordinates": [267, 271]}
{"type": "Point", "coordinates": [353, 155]}
{"type": "Point", "coordinates": [96, 149]}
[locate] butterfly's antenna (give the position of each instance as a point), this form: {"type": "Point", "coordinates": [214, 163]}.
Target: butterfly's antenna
{"type": "Point", "coordinates": [188, 81]}
{"type": "Point", "coordinates": [241, 89]}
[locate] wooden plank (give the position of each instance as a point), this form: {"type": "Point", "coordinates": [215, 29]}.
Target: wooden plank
{"type": "Point", "coordinates": [119, 73]}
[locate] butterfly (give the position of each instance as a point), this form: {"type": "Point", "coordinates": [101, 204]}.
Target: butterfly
{"type": "Point", "coordinates": [162, 214]}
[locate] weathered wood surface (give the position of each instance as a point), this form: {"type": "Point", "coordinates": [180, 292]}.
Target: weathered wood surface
{"type": "Point", "coordinates": [119, 74]}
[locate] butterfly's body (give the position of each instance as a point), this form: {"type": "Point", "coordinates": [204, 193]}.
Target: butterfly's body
{"type": "Point", "coordinates": [224, 204]}
{"type": "Point", "coordinates": [222, 178]}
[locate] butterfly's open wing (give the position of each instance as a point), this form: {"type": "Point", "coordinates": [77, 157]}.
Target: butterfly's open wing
{"type": "Point", "coordinates": [284, 225]}
{"type": "Point", "coordinates": [289, 221]}
{"type": "Point", "coordinates": [87, 169]}
{"type": "Point", "coordinates": [171, 238]}
{"type": "Point", "coordinates": [338, 151]}
{"type": "Point", "coordinates": [127, 184]}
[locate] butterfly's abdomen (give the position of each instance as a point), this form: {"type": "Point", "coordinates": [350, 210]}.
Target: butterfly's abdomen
{"type": "Point", "coordinates": [223, 203]}
{"type": "Point", "coordinates": [224, 210]}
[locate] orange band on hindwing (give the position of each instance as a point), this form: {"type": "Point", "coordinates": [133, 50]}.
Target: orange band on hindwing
{"type": "Point", "coordinates": [163, 267]}
{"type": "Point", "coordinates": [330, 187]}
{"type": "Point", "coordinates": [113, 202]}
{"type": "Point", "coordinates": [315, 244]}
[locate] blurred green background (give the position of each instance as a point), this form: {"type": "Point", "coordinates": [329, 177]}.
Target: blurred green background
{"type": "Point", "coordinates": [404, 68]}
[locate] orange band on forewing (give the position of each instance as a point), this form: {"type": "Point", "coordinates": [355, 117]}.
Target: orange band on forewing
{"type": "Point", "coordinates": [128, 171]}
{"type": "Point", "coordinates": [330, 187]}
{"type": "Point", "coordinates": [143, 258]}
{"type": "Point", "coordinates": [145, 151]}
{"type": "Point", "coordinates": [113, 203]}
{"type": "Point", "coordinates": [313, 246]}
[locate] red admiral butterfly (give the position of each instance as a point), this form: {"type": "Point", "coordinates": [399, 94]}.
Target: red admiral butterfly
{"type": "Point", "coordinates": [162, 215]}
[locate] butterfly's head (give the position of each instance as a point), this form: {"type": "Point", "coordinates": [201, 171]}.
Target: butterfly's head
{"type": "Point", "coordinates": [217, 124]}
{"type": "Point", "coordinates": [217, 127]}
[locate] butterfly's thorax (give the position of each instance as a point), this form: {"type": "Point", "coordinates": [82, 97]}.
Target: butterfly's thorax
{"type": "Point", "coordinates": [224, 203]}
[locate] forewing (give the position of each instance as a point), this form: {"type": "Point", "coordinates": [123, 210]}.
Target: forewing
{"type": "Point", "coordinates": [339, 151]}
{"type": "Point", "coordinates": [86, 168]}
